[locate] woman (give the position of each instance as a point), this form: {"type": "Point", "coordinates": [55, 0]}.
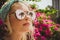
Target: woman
{"type": "Point", "coordinates": [18, 20]}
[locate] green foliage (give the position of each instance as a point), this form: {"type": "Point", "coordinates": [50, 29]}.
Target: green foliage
{"type": "Point", "coordinates": [33, 6]}
{"type": "Point", "coordinates": [49, 10]}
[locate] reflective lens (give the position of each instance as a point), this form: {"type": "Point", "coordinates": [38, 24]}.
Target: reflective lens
{"type": "Point", "coordinates": [21, 15]}
{"type": "Point", "coordinates": [32, 15]}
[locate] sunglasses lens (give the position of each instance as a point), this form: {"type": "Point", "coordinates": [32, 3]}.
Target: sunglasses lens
{"type": "Point", "coordinates": [32, 15]}
{"type": "Point", "coordinates": [19, 14]}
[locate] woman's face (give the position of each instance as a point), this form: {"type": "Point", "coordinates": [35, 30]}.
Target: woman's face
{"type": "Point", "coordinates": [20, 23]}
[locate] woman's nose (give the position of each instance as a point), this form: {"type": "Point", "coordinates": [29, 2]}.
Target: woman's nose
{"type": "Point", "coordinates": [26, 18]}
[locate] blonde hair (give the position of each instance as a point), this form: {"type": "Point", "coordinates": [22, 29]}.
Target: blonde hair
{"type": "Point", "coordinates": [28, 36]}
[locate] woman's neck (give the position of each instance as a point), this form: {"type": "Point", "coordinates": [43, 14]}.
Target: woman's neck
{"type": "Point", "coordinates": [17, 36]}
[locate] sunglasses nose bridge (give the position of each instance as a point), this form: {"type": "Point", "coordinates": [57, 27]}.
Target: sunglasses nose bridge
{"type": "Point", "coordinates": [26, 17]}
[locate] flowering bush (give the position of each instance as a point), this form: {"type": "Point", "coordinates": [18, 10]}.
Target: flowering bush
{"type": "Point", "coordinates": [45, 28]}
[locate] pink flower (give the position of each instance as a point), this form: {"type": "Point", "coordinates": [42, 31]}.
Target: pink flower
{"type": "Point", "coordinates": [50, 25]}
{"type": "Point", "coordinates": [45, 25]}
{"type": "Point", "coordinates": [35, 20]}
{"type": "Point", "coordinates": [50, 21]}
{"type": "Point", "coordinates": [45, 21]}
{"type": "Point", "coordinates": [38, 14]}
{"type": "Point", "coordinates": [43, 38]}
{"type": "Point", "coordinates": [58, 25]}
{"type": "Point", "coordinates": [40, 29]}
{"type": "Point", "coordinates": [1, 22]}
{"type": "Point", "coordinates": [49, 17]}
{"type": "Point", "coordinates": [56, 28]}
{"type": "Point", "coordinates": [42, 15]}
{"type": "Point", "coordinates": [36, 24]}
{"type": "Point", "coordinates": [48, 32]}
{"type": "Point", "coordinates": [36, 33]}
{"type": "Point", "coordinates": [35, 38]}
{"type": "Point", "coordinates": [36, 30]}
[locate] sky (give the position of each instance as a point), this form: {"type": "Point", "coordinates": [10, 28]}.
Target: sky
{"type": "Point", "coordinates": [42, 4]}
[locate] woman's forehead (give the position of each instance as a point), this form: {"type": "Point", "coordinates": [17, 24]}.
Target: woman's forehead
{"type": "Point", "coordinates": [20, 6]}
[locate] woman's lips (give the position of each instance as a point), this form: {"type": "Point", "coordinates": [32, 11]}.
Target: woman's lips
{"type": "Point", "coordinates": [26, 24]}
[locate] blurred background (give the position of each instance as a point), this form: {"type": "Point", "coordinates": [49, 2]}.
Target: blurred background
{"type": "Point", "coordinates": [47, 22]}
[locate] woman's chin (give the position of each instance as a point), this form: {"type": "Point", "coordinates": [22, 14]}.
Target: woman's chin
{"type": "Point", "coordinates": [26, 29]}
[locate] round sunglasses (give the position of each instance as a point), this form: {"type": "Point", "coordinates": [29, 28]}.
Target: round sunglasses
{"type": "Point", "coordinates": [20, 14]}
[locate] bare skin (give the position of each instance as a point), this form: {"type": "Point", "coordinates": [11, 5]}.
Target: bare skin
{"type": "Point", "coordinates": [18, 28]}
